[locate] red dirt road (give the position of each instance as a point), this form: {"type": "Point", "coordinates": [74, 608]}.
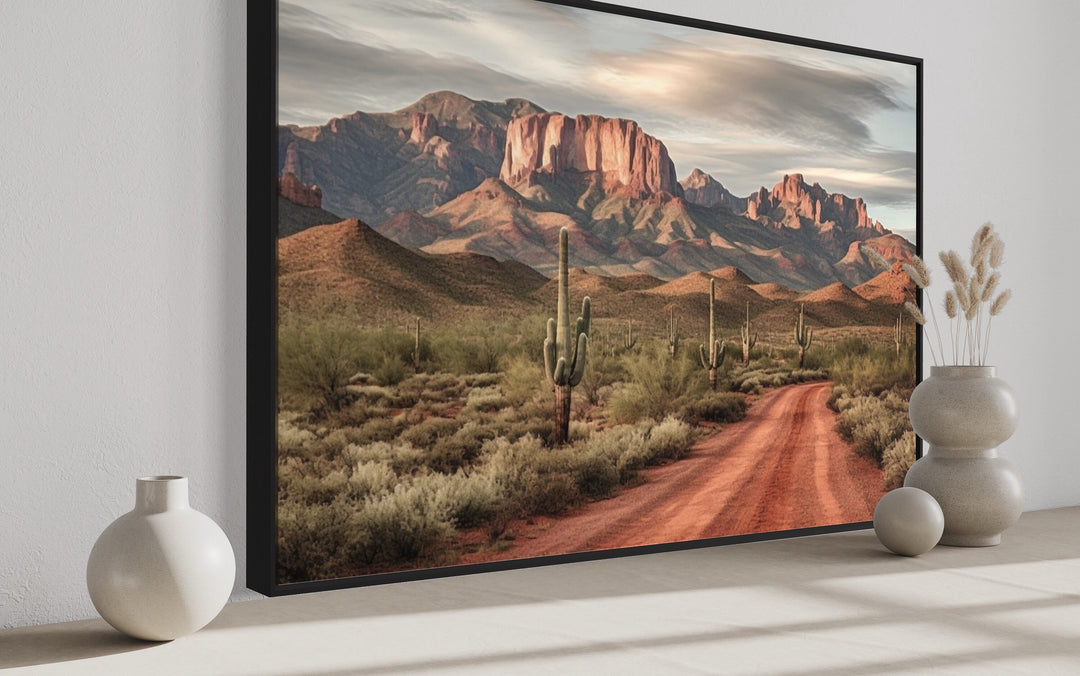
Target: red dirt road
{"type": "Point", "coordinates": [784, 466]}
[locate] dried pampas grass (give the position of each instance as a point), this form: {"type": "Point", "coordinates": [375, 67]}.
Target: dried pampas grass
{"type": "Point", "coordinates": [876, 259]}
{"type": "Point", "coordinates": [999, 302]}
{"type": "Point", "coordinates": [967, 303]}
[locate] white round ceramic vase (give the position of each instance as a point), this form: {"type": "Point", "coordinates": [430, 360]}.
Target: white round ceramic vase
{"type": "Point", "coordinates": [908, 521]}
{"type": "Point", "coordinates": [163, 570]}
{"type": "Point", "coordinates": [964, 413]}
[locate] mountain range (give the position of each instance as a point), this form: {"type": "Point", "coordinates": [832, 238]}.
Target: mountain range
{"type": "Point", "coordinates": [348, 266]}
{"type": "Point", "coordinates": [450, 175]}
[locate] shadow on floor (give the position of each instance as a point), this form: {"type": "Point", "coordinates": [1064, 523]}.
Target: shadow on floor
{"type": "Point", "coordinates": [50, 644]}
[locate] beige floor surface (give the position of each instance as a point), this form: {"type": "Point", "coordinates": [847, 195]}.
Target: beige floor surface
{"type": "Point", "coordinates": [830, 605]}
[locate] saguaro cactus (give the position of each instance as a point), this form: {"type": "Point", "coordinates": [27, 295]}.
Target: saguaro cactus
{"type": "Point", "coordinates": [629, 341]}
{"type": "Point", "coordinates": [564, 352]}
{"type": "Point", "coordinates": [748, 343]}
{"type": "Point", "coordinates": [672, 333]}
{"type": "Point", "coordinates": [416, 346]}
{"type": "Point", "coordinates": [898, 332]}
{"type": "Point", "coordinates": [717, 348]}
{"type": "Point", "coordinates": [803, 336]}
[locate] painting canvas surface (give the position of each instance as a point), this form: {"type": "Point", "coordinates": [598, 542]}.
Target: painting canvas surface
{"type": "Point", "coordinates": [743, 366]}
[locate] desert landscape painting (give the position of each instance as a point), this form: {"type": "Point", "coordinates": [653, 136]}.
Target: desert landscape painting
{"type": "Point", "coordinates": [553, 280]}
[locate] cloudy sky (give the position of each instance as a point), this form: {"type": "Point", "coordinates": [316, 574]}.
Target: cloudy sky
{"type": "Point", "coordinates": [746, 111]}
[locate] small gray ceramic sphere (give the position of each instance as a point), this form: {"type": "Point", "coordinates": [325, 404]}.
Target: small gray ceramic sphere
{"type": "Point", "coordinates": [908, 521]}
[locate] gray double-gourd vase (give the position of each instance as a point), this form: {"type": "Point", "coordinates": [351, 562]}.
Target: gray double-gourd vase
{"type": "Point", "coordinates": [964, 413]}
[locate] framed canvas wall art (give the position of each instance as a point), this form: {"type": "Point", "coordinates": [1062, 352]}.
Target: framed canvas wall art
{"type": "Point", "coordinates": [436, 188]}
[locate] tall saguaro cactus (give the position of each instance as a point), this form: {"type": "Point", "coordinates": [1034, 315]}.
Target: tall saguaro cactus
{"type": "Point", "coordinates": [629, 341]}
{"type": "Point", "coordinates": [898, 332]}
{"type": "Point", "coordinates": [717, 348]}
{"type": "Point", "coordinates": [672, 333]}
{"type": "Point", "coordinates": [416, 347]}
{"type": "Point", "coordinates": [748, 343]}
{"type": "Point", "coordinates": [564, 352]}
{"type": "Point", "coordinates": [804, 336]}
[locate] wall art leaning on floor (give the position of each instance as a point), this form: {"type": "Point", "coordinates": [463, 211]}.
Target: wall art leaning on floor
{"type": "Point", "coordinates": [535, 282]}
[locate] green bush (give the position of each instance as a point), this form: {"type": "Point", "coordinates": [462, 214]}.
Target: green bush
{"type": "Point", "coordinates": [401, 456]}
{"type": "Point", "coordinates": [656, 386]}
{"type": "Point", "coordinates": [425, 433]}
{"type": "Point", "coordinates": [403, 525]}
{"type": "Point", "coordinates": [315, 362]}
{"type": "Point", "coordinates": [485, 399]}
{"type": "Point", "coordinates": [467, 501]}
{"type": "Point", "coordinates": [716, 407]}
{"type": "Point", "coordinates": [671, 439]}
{"type": "Point", "coordinates": [872, 425]}
{"type": "Point", "coordinates": [897, 459]}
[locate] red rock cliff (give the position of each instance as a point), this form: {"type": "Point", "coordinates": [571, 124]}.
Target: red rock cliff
{"type": "Point", "coordinates": [552, 143]}
{"type": "Point", "coordinates": [294, 190]}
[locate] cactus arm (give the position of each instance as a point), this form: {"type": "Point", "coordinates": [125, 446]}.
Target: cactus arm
{"type": "Point", "coordinates": [559, 378]}
{"type": "Point", "coordinates": [580, 355]}
{"type": "Point", "coordinates": [549, 360]}
{"type": "Point", "coordinates": [721, 349]}
{"type": "Point", "coordinates": [586, 314]}
{"type": "Point", "coordinates": [704, 360]}
{"type": "Point", "coordinates": [549, 351]}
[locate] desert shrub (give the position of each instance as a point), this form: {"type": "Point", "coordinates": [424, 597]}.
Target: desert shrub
{"type": "Point", "coordinates": [717, 407]}
{"type": "Point", "coordinates": [657, 386]}
{"type": "Point", "coordinates": [464, 352]}
{"type": "Point", "coordinates": [369, 479]}
{"type": "Point", "coordinates": [553, 494]}
{"type": "Point", "coordinates": [311, 489]}
{"type": "Point", "coordinates": [382, 428]}
{"type": "Point", "coordinates": [449, 454]}
{"type": "Point", "coordinates": [391, 370]}
{"type": "Point", "coordinates": [670, 439]}
{"type": "Point", "coordinates": [374, 395]}
{"type": "Point", "coordinates": [315, 541]}
{"type": "Point", "coordinates": [596, 476]}
{"type": "Point", "coordinates": [315, 361]}
{"type": "Point", "coordinates": [872, 425]}
{"type": "Point", "coordinates": [467, 501]}
{"type": "Point", "coordinates": [522, 379]}
{"type": "Point", "coordinates": [291, 439]}
{"type": "Point", "coordinates": [754, 380]}
{"type": "Point", "coordinates": [840, 393]}
{"type": "Point", "coordinates": [353, 414]}
{"type": "Point", "coordinates": [485, 399]}
{"type": "Point", "coordinates": [871, 369]}
{"type": "Point", "coordinates": [513, 468]}
{"type": "Point", "coordinates": [601, 372]}
{"type": "Point", "coordinates": [424, 434]}
{"type": "Point", "coordinates": [402, 525]}
{"type": "Point", "coordinates": [897, 459]}
{"type": "Point", "coordinates": [401, 456]}
{"type": "Point", "coordinates": [579, 429]}
{"type": "Point", "coordinates": [482, 380]}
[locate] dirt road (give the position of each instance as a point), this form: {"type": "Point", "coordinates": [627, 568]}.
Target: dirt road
{"type": "Point", "coordinates": [784, 466]}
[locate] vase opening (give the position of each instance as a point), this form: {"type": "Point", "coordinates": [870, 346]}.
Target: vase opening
{"type": "Point", "coordinates": [160, 493]}
{"type": "Point", "coordinates": [963, 371]}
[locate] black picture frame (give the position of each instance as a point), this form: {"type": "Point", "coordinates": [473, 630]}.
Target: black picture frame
{"type": "Point", "coordinates": [262, 309]}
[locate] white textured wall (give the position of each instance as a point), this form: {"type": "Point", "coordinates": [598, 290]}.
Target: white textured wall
{"type": "Point", "coordinates": [122, 263]}
{"type": "Point", "coordinates": [122, 244]}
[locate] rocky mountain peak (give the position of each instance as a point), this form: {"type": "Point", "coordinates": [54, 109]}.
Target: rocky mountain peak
{"type": "Point", "coordinates": [555, 144]}
{"type": "Point", "coordinates": [701, 188]}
